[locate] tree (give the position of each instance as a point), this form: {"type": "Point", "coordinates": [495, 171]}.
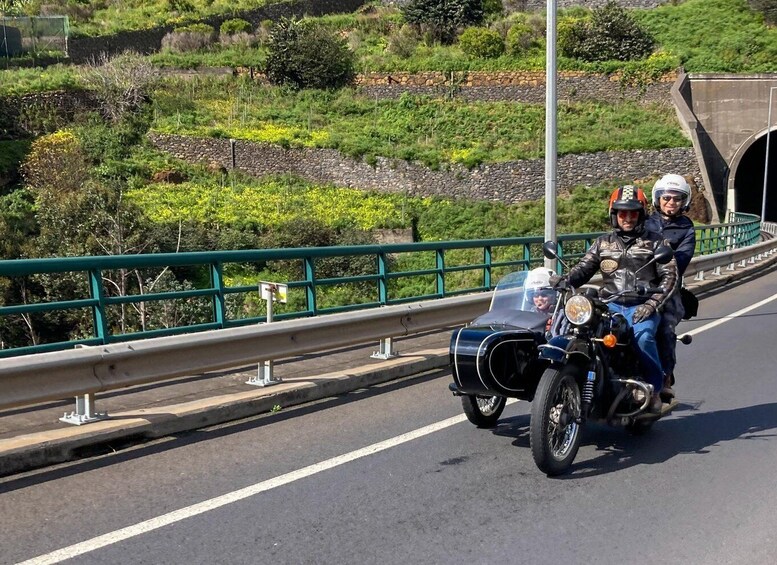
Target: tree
{"type": "Point", "coordinates": [611, 34]}
{"type": "Point", "coordinates": [301, 55]}
{"type": "Point", "coordinates": [442, 18]}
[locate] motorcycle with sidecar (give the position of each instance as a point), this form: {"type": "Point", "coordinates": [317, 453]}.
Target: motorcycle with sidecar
{"type": "Point", "coordinates": [576, 366]}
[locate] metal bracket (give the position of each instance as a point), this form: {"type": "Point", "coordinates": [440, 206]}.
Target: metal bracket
{"type": "Point", "coordinates": [264, 375]}
{"type": "Point", "coordinates": [386, 350]}
{"type": "Point", "coordinates": [84, 413]}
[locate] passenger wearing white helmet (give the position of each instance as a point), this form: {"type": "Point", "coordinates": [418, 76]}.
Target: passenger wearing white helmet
{"type": "Point", "coordinates": [671, 200]}
{"type": "Point", "coordinates": [539, 291]}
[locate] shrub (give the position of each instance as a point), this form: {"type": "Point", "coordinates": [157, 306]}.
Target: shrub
{"type": "Point", "coordinates": [77, 12]}
{"type": "Point", "coordinates": [481, 42]}
{"type": "Point", "coordinates": [520, 37]}
{"type": "Point", "coordinates": [205, 29]}
{"type": "Point", "coordinates": [121, 83]}
{"type": "Point", "coordinates": [188, 38]}
{"type": "Point", "coordinates": [237, 25]}
{"type": "Point", "coordinates": [305, 56]}
{"type": "Point", "coordinates": [179, 6]}
{"type": "Point", "coordinates": [403, 42]}
{"type": "Point", "coordinates": [493, 7]}
{"type": "Point", "coordinates": [239, 39]}
{"type": "Point", "coordinates": [56, 164]}
{"type": "Point", "coordinates": [442, 18]}
{"type": "Point", "coordinates": [610, 34]}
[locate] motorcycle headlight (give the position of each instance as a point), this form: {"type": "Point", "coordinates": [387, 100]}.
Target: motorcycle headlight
{"type": "Point", "coordinates": [578, 310]}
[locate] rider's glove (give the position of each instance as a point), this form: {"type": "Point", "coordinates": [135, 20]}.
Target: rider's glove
{"type": "Point", "coordinates": [557, 281]}
{"type": "Point", "coordinates": [643, 312]}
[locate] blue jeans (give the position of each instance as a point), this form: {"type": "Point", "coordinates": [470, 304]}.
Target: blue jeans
{"type": "Point", "coordinates": [645, 337]}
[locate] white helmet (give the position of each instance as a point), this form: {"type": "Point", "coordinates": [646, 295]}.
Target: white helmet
{"type": "Point", "coordinates": [672, 183]}
{"type": "Point", "coordinates": [538, 283]}
{"type": "Point", "coordinates": [538, 278]}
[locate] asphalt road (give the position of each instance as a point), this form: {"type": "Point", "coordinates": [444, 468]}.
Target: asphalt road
{"type": "Point", "coordinates": [394, 474]}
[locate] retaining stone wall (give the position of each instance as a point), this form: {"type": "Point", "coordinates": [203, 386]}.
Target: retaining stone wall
{"type": "Point", "coordinates": [518, 86]}
{"type": "Point", "coordinates": [541, 5]}
{"type": "Point", "coordinates": [38, 113]}
{"type": "Point", "coordinates": [526, 5]}
{"type": "Point", "coordinates": [510, 182]}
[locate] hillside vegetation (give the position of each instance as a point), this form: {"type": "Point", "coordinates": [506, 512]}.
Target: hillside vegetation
{"type": "Point", "coordinates": [91, 185]}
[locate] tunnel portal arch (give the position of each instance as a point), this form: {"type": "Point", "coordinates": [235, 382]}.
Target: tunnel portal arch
{"type": "Point", "coordinates": [746, 177]}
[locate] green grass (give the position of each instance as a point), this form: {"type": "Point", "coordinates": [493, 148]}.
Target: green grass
{"type": "Point", "coordinates": [112, 17]}
{"type": "Point", "coordinates": [16, 82]}
{"type": "Point", "coordinates": [714, 35]}
{"type": "Point", "coordinates": [270, 203]}
{"type": "Point", "coordinates": [415, 128]}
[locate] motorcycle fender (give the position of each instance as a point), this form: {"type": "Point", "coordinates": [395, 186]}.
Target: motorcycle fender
{"type": "Point", "coordinates": [563, 347]}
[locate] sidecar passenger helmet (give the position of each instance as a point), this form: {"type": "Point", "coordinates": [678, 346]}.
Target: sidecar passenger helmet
{"type": "Point", "coordinates": [672, 183]}
{"type": "Point", "coordinates": [627, 198]}
{"type": "Point", "coordinates": [538, 282]}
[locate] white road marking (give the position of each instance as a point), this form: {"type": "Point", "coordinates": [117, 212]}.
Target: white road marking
{"type": "Point", "coordinates": [730, 317]}
{"type": "Point", "coordinates": [200, 508]}
{"type": "Point", "coordinates": [238, 495]}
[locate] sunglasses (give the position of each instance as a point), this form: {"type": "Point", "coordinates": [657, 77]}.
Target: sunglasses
{"type": "Point", "coordinates": [667, 198]}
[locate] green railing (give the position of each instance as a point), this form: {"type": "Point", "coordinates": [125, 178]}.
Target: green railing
{"type": "Point", "coordinates": [107, 300]}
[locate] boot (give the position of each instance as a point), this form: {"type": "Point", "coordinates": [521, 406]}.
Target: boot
{"type": "Point", "coordinates": [655, 404]}
{"type": "Point", "coordinates": [667, 393]}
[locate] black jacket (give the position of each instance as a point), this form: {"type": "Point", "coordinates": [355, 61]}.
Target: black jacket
{"type": "Point", "coordinates": [619, 258]}
{"type": "Point", "coordinates": [679, 232]}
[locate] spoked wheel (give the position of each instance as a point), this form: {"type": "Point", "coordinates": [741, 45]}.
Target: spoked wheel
{"type": "Point", "coordinates": [483, 411]}
{"type": "Point", "coordinates": [554, 433]}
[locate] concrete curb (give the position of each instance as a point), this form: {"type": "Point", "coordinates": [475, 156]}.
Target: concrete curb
{"type": "Point", "coordinates": [30, 451]}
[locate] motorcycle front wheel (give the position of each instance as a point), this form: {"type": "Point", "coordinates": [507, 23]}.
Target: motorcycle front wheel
{"type": "Point", "coordinates": [554, 433]}
{"type": "Point", "coordinates": [483, 411]}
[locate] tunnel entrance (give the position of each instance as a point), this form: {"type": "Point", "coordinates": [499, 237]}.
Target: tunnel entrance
{"type": "Point", "coordinates": [749, 179]}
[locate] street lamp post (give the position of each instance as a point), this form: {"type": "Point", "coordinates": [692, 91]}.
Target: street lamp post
{"type": "Point", "coordinates": [550, 127]}
{"type": "Point", "coordinates": [766, 160]}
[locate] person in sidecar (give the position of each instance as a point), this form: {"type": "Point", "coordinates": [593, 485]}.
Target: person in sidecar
{"type": "Point", "coordinates": [540, 295]}
{"type": "Point", "coordinates": [619, 255]}
{"type": "Point", "coordinates": [544, 301]}
{"type": "Point", "coordinates": [671, 200]}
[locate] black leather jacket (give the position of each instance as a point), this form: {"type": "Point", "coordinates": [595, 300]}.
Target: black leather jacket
{"type": "Point", "coordinates": [618, 257]}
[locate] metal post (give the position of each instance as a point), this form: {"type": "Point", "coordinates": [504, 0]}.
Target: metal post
{"type": "Point", "coordinates": [766, 160]}
{"type": "Point", "coordinates": [85, 411]}
{"type": "Point", "coordinates": [550, 128]}
{"type": "Point", "coordinates": [264, 370]}
{"type": "Point", "coordinates": [386, 349]}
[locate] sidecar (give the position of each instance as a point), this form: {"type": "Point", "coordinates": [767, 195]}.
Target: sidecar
{"type": "Point", "coordinates": [496, 356]}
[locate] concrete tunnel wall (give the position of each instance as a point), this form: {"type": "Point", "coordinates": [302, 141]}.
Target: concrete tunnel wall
{"type": "Point", "coordinates": [726, 117]}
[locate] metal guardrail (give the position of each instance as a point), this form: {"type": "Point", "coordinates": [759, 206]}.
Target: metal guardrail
{"type": "Point", "coordinates": [82, 372]}
{"type": "Point", "coordinates": [436, 270]}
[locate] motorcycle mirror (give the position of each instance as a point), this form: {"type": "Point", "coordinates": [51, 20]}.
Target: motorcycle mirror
{"type": "Point", "coordinates": [663, 254]}
{"type": "Point", "coordinates": [549, 250]}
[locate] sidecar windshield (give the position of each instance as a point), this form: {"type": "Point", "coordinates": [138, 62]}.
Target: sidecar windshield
{"type": "Point", "coordinates": [511, 293]}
